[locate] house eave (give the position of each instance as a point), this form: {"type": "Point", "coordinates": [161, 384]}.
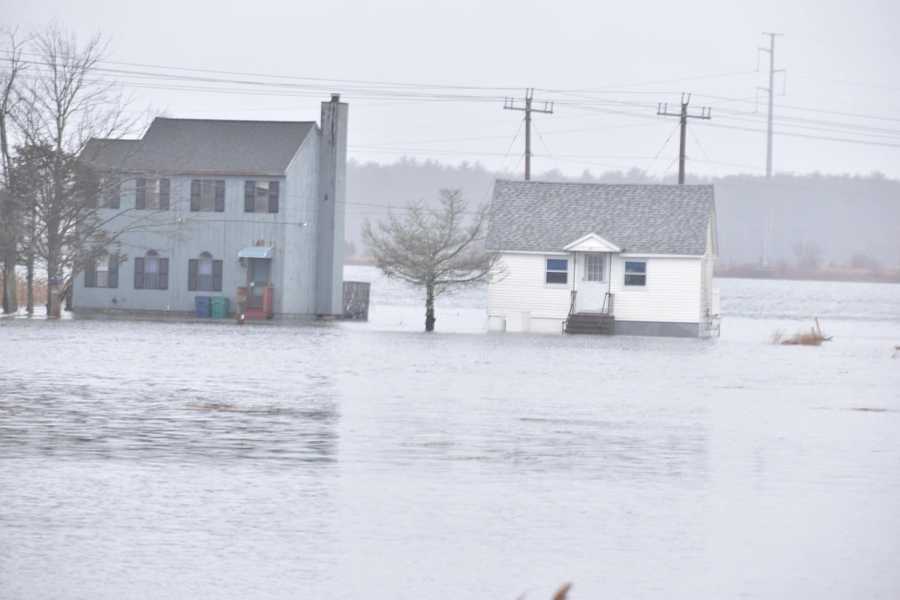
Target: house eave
{"type": "Point", "coordinates": [622, 254]}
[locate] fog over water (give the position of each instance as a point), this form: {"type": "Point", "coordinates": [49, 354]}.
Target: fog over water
{"type": "Point", "coordinates": [347, 460]}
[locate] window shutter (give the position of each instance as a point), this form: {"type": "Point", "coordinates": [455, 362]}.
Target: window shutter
{"type": "Point", "coordinates": [114, 195]}
{"type": "Point", "coordinates": [220, 195]}
{"type": "Point", "coordinates": [164, 273]}
{"type": "Point", "coordinates": [273, 196]}
{"type": "Point", "coordinates": [139, 273]}
{"type": "Point", "coordinates": [192, 274]}
{"type": "Point", "coordinates": [163, 194]}
{"type": "Point", "coordinates": [92, 192]}
{"type": "Point", "coordinates": [195, 195]}
{"type": "Point", "coordinates": [217, 275]}
{"type": "Point", "coordinates": [90, 274]}
{"type": "Point", "coordinates": [113, 277]}
{"type": "Point", "coordinates": [249, 195]}
{"type": "Point", "coordinates": [140, 193]}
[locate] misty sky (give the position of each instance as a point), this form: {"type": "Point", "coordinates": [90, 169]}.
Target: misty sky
{"type": "Point", "coordinates": [601, 59]}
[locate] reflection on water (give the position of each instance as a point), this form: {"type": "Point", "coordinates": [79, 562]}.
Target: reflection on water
{"type": "Point", "coordinates": [143, 459]}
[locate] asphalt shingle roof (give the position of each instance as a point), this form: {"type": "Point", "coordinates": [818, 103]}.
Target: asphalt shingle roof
{"type": "Point", "coordinates": [204, 146]}
{"type": "Point", "coordinates": [535, 216]}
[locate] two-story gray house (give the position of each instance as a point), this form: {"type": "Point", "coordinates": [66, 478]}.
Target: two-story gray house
{"type": "Point", "coordinates": [249, 210]}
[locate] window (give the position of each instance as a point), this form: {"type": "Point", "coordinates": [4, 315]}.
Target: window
{"type": "Point", "coordinates": [636, 272]}
{"type": "Point", "coordinates": [102, 272]}
{"type": "Point", "coordinates": [208, 195]}
{"type": "Point", "coordinates": [557, 270]}
{"type": "Point", "coordinates": [205, 274]}
{"type": "Point", "coordinates": [593, 267]}
{"type": "Point", "coordinates": [260, 196]}
{"type": "Point", "coordinates": [103, 192]}
{"type": "Point", "coordinates": [110, 192]}
{"type": "Point", "coordinates": [151, 194]}
{"type": "Point", "coordinates": [151, 272]}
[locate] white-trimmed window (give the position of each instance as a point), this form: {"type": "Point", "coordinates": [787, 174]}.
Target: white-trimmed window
{"type": "Point", "coordinates": [151, 194]}
{"type": "Point", "coordinates": [151, 272]}
{"type": "Point", "coordinates": [635, 273]}
{"type": "Point", "coordinates": [261, 196]}
{"type": "Point", "coordinates": [557, 271]}
{"type": "Point", "coordinates": [204, 273]}
{"type": "Point", "coordinates": [102, 272]}
{"type": "Point", "coordinates": [593, 267]}
{"type": "Point", "coordinates": [207, 195]}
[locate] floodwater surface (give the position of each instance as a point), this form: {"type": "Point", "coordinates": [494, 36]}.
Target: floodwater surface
{"type": "Point", "coordinates": [143, 459]}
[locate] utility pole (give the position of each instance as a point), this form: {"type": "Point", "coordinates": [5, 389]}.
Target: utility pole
{"type": "Point", "coordinates": [767, 225]}
{"type": "Point", "coordinates": [528, 108]}
{"type": "Point", "coordinates": [771, 92]}
{"type": "Point", "coordinates": [684, 114]}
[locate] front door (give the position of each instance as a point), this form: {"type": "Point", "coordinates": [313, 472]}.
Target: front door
{"type": "Point", "coordinates": [259, 273]}
{"type": "Point", "coordinates": [592, 282]}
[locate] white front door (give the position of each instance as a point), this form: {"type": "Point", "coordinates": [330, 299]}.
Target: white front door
{"type": "Point", "coordinates": [592, 282]}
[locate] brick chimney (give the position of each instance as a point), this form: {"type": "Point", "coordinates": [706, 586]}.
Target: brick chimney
{"type": "Point", "coordinates": [332, 203]}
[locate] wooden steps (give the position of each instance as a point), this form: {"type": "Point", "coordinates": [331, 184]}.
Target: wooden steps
{"type": "Point", "coordinates": [591, 324]}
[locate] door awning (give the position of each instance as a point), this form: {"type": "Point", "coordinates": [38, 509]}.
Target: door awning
{"type": "Point", "coordinates": [256, 252]}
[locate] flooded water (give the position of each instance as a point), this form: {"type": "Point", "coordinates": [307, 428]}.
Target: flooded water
{"type": "Point", "coordinates": [144, 459]}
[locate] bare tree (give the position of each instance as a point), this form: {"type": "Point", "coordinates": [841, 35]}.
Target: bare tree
{"type": "Point", "coordinates": [435, 248]}
{"type": "Point", "coordinates": [10, 212]}
{"type": "Point", "coordinates": [68, 103]}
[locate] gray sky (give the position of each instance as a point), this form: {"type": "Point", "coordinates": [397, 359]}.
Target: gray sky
{"type": "Point", "coordinates": [841, 57]}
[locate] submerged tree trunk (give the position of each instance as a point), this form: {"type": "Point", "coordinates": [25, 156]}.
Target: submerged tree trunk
{"type": "Point", "coordinates": [54, 279]}
{"type": "Point", "coordinates": [29, 284]}
{"type": "Point", "coordinates": [10, 290]}
{"type": "Point", "coordinates": [429, 307]}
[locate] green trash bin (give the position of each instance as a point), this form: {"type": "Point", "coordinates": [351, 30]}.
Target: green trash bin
{"type": "Point", "coordinates": [219, 306]}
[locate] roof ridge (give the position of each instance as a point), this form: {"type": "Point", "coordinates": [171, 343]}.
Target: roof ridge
{"type": "Point", "coordinates": [253, 121]}
{"type": "Point", "coordinates": [603, 184]}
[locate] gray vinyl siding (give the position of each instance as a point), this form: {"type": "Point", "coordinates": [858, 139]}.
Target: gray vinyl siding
{"type": "Point", "coordinates": [298, 203]}
{"type": "Point", "coordinates": [179, 235]}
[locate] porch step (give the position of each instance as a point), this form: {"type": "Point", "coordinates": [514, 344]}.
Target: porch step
{"type": "Point", "coordinates": [591, 324]}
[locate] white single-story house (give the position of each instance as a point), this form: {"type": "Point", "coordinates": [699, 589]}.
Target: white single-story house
{"type": "Point", "coordinates": [599, 258]}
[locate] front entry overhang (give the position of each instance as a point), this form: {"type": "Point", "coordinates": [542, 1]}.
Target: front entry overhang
{"type": "Point", "coordinates": [592, 243]}
{"type": "Point", "coordinates": [255, 252]}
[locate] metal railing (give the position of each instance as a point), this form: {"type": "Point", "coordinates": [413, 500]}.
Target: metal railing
{"type": "Point", "coordinates": [608, 303]}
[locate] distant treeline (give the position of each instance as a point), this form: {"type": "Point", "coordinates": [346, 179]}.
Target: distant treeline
{"type": "Point", "coordinates": [818, 222]}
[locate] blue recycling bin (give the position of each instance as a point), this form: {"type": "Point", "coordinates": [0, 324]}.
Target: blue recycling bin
{"type": "Point", "coordinates": [203, 306]}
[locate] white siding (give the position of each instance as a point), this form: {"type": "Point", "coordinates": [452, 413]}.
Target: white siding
{"type": "Point", "coordinates": [523, 299]}
{"type": "Point", "coordinates": [672, 293]}
{"type": "Point", "coordinates": [520, 300]}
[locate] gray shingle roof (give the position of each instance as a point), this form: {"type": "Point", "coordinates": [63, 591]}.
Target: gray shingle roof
{"type": "Point", "coordinates": [204, 146]}
{"type": "Point", "coordinates": [535, 216]}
